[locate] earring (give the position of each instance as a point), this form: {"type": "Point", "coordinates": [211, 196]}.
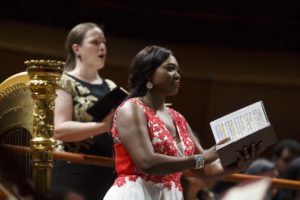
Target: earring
{"type": "Point", "coordinates": [78, 56]}
{"type": "Point", "coordinates": [149, 85]}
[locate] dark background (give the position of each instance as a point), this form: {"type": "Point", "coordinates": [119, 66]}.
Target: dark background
{"type": "Point", "coordinates": [232, 53]}
{"type": "Point", "coordinates": [272, 25]}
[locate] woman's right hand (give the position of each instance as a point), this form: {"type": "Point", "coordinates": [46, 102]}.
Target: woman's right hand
{"type": "Point", "coordinates": [211, 154]}
{"type": "Point", "coordinates": [248, 154]}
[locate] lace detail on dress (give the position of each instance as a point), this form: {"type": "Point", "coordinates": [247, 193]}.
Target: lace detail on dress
{"type": "Point", "coordinates": [163, 143]}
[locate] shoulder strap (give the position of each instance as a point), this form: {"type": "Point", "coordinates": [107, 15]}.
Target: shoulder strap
{"type": "Point", "coordinates": [110, 84]}
{"type": "Point", "coordinates": [68, 83]}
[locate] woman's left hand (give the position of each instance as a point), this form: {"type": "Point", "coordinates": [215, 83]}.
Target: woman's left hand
{"type": "Point", "coordinates": [247, 155]}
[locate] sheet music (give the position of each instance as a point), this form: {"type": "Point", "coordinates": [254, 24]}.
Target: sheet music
{"type": "Point", "coordinates": [240, 123]}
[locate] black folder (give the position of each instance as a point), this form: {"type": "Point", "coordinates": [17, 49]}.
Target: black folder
{"type": "Point", "coordinates": [110, 101]}
{"type": "Point", "coordinates": [227, 153]}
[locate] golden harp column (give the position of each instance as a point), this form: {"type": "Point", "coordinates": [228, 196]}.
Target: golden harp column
{"type": "Point", "coordinates": [44, 78]}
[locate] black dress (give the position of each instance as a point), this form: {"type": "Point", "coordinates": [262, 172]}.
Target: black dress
{"type": "Point", "coordinates": [90, 181]}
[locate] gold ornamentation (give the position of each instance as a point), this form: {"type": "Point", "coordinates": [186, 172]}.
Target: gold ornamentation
{"type": "Point", "coordinates": [44, 78]}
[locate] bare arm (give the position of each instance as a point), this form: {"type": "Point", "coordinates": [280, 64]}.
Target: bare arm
{"type": "Point", "coordinates": [71, 131]}
{"type": "Point", "coordinates": [215, 170]}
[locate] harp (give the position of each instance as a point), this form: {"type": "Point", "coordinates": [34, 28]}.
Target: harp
{"type": "Point", "coordinates": [26, 121]}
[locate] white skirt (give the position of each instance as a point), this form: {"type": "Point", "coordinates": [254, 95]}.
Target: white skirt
{"type": "Point", "coordinates": [143, 190]}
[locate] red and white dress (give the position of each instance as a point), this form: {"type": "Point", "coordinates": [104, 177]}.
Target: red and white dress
{"type": "Point", "coordinates": [131, 182]}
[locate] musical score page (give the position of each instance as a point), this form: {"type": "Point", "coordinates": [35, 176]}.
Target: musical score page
{"type": "Point", "coordinates": [240, 123]}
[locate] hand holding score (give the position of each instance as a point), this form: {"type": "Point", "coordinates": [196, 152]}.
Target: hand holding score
{"type": "Point", "coordinates": [248, 154]}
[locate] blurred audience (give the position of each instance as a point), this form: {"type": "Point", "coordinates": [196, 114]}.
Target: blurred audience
{"type": "Point", "coordinates": [284, 152]}
{"type": "Point", "coordinates": [264, 167]}
{"type": "Point", "coordinates": [196, 189]}
{"type": "Point", "coordinates": [251, 190]}
{"type": "Point", "coordinates": [292, 173]}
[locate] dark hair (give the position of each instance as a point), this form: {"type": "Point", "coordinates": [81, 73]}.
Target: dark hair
{"type": "Point", "coordinates": [76, 36]}
{"type": "Point", "coordinates": [260, 167]}
{"type": "Point", "coordinates": [292, 145]}
{"type": "Point", "coordinates": [292, 173]}
{"type": "Point", "coordinates": [143, 66]}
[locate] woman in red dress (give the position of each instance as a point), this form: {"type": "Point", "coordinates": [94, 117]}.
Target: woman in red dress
{"type": "Point", "coordinates": [153, 143]}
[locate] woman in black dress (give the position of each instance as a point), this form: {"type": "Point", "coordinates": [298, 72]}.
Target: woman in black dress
{"type": "Point", "coordinates": [76, 130]}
